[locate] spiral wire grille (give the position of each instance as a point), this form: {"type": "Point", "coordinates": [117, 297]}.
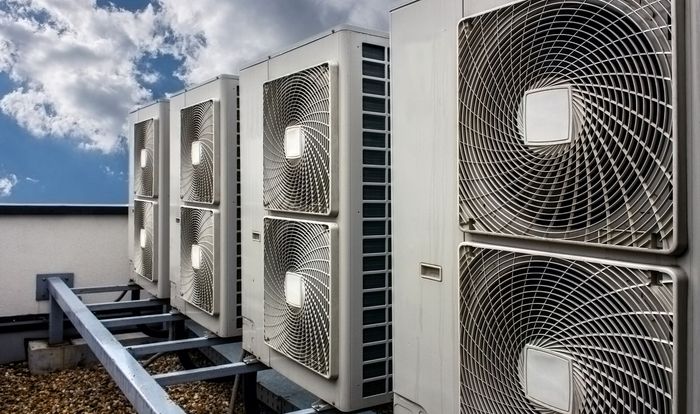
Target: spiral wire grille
{"type": "Point", "coordinates": [197, 181]}
{"type": "Point", "coordinates": [301, 99]}
{"type": "Point", "coordinates": [613, 184]}
{"type": "Point", "coordinates": [615, 323]}
{"type": "Point", "coordinates": [197, 285]}
{"type": "Point", "coordinates": [145, 177]}
{"type": "Point", "coordinates": [144, 258]}
{"type": "Point", "coordinates": [304, 333]}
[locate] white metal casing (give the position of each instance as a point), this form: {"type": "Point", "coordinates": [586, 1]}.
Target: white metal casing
{"type": "Point", "coordinates": [425, 123]}
{"type": "Point", "coordinates": [225, 318]}
{"type": "Point", "coordinates": [160, 114]}
{"type": "Point", "coordinates": [342, 48]}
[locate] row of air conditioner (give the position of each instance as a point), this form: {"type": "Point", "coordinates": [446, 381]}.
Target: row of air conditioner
{"type": "Point", "coordinates": [261, 207]}
{"type": "Point", "coordinates": [534, 203]}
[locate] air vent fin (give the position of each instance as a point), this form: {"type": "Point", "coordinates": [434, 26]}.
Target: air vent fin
{"type": "Point", "coordinates": [567, 122]}
{"type": "Point", "coordinates": [144, 234]}
{"type": "Point", "coordinates": [298, 292]}
{"type": "Point", "coordinates": [198, 258]}
{"type": "Point", "coordinates": [543, 334]}
{"type": "Point", "coordinates": [298, 142]}
{"type": "Point", "coordinates": [145, 159]}
{"type": "Point", "coordinates": [198, 153]}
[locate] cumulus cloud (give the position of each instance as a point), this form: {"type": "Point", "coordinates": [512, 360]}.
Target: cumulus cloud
{"type": "Point", "coordinates": [7, 183]}
{"type": "Point", "coordinates": [76, 64]}
{"type": "Point", "coordinates": [213, 43]}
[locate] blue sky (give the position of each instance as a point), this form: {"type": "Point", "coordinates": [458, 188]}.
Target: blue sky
{"type": "Point", "coordinates": [71, 71]}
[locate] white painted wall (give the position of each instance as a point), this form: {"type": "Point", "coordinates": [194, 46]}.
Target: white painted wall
{"type": "Point", "coordinates": [94, 248]}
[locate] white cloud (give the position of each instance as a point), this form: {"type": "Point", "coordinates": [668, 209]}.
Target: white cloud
{"type": "Point", "coordinates": [216, 37]}
{"type": "Point", "coordinates": [77, 67]}
{"type": "Point", "coordinates": [31, 180]}
{"type": "Point", "coordinates": [108, 171]}
{"type": "Point", "coordinates": [7, 183]}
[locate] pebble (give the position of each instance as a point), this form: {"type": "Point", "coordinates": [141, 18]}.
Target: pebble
{"type": "Point", "coordinates": [91, 390]}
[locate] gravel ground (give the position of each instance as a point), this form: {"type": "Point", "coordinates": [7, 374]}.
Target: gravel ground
{"type": "Point", "coordinates": [91, 390]}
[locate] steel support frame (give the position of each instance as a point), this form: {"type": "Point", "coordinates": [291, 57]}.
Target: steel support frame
{"type": "Point", "coordinates": [207, 373]}
{"type": "Point", "coordinates": [175, 345]}
{"type": "Point", "coordinates": [144, 391]}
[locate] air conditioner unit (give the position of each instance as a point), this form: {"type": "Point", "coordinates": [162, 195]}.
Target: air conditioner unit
{"type": "Point", "coordinates": [205, 205]}
{"type": "Point", "coordinates": [316, 223]}
{"type": "Point", "coordinates": [558, 134]}
{"type": "Point", "coordinates": [148, 198]}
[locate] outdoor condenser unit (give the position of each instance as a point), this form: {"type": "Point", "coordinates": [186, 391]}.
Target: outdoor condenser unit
{"type": "Point", "coordinates": [316, 215]}
{"type": "Point", "coordinates": [148, 198]}
{"type": "Point", "coordinates": [554, 261]}
{"type": "Point", "coordinates": [205, 263]}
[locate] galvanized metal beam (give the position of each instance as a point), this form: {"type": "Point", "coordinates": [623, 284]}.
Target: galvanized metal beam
{"type": "Point", "coordinates": [55, 320]}
{"type": "Point", "coordinates": [129, 304]}
{"type": "Point", "coordinates": [142, 320]}
{"type": "Point", "coordinates": [176, 345]}
{"type": "Point", "coordinates": [105, 289]}
{"type": "Point", "coordinates": [206, 373]}
{"type": "Point", "coordinates": [138, 386]}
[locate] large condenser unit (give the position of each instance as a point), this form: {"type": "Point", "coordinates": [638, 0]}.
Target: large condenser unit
{"type": "Point", "coordinates": [148, 198]}
{"type": "Point", "coordinates": [205, 259]}
{"type": "Point", "coordinates": [316, 215]}
{"type": "Point", "coordinates": [551, 268]}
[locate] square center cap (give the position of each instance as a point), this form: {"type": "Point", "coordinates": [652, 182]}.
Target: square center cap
{"type": "Point", "coordinates": [549, 379]}
{"type": "Point", "coordinates": [293, 142]}
{"type": "Point", "coordinates": [548, 116]}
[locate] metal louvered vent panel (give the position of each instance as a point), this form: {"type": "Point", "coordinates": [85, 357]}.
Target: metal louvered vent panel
{"type": "Point", "coordinates": [145, 238]}
{"type": "Point", "coordinates": [297, 169]}
{"type": "Point", "coordinates": [145, 158]}
{"type": "Point", "coordinates": [541, 334]}
{"type": "Point", "coordinates": [198, 153]}
{"type": "Point", "coordinates": [595, 163]}
{"type": "Point", "coordinates": [298, 292]}
{"type": "Point", "coordinates": [376, 221]}
{"type": "Point", "coordinates": [239, 264]}
{"type": "Point", "coordinates": [198, 258]}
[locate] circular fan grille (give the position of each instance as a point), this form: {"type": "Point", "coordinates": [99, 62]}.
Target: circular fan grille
{"type": "Point", "coordinates": [301, 333]}
{"type": "Point", "coordinates": [613, 183]}
{"type": "Point", "coordinates": [298, 100]}
{"type": "Point", "coordinates": [197, 181]}
{"type": "Point", "coordinates": [197, 285]}
{"type": "Point", "coordinates": [614, 325]}
{"type": "Point", "coordinates": [144, 257]}
{"type": "Point", "coordinates": [144, 140]}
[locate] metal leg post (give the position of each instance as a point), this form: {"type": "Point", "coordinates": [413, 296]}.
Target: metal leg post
{"type": "Point", "coordinates": [55, 322]}
{"type": "Point", "coordinates": [250, 392]}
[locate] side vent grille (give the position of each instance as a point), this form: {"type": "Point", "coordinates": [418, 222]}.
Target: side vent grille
{"type": "Point", "coordinates": [198, 258]}
{"type": "Point", "coordinates": [239, 265]}
{"type": "Point", "coordinates": [376, 222]}
{"type": "Point", "coordinates": [145, 239]}
{"type": "Point", "coordinates": [198, 153]}
{"type": "Point", "coordinates": [145, 159]}
{"type": "Point", "coordinates": [298, 142]}
{"type": "Point", "coordinates": [298, 292]}
{"type": "Point", "coordinates": [566, 122]}
{"type": "Point", "coordinates": [546, 334]}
